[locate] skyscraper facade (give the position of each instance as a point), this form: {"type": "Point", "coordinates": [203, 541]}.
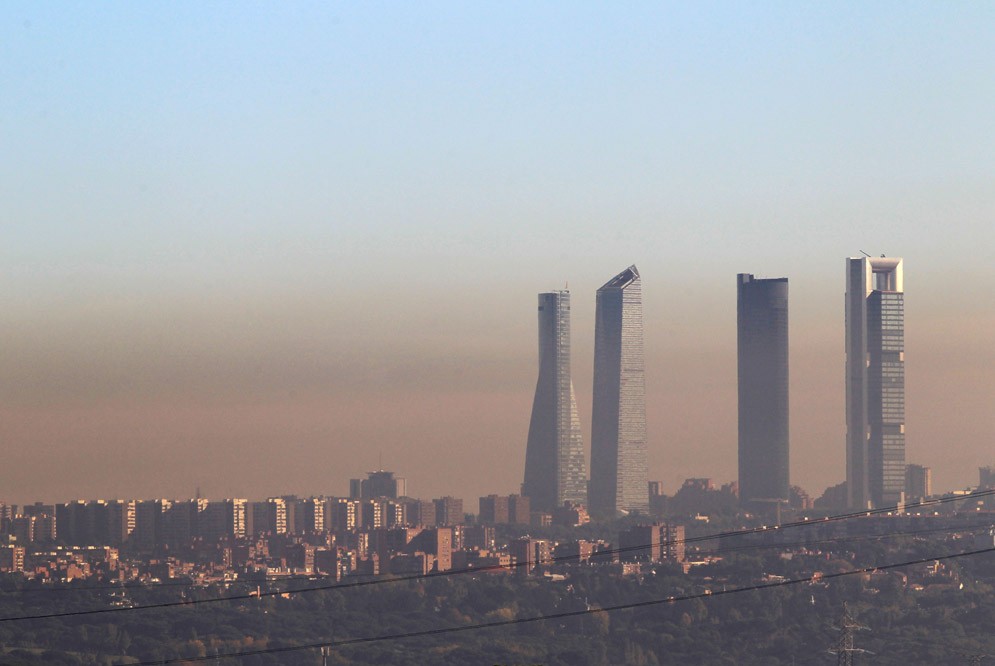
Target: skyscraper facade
{"type": "Point", "coordinates": [875, 381]}
{"type": "Point", "coordinates": [762, 356]}
{"type": "Point", "coordinates": [618, 421]}
{"type": "Point", "coordinates": [554, 459]}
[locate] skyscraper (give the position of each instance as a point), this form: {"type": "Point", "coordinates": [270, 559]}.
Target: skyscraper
{"type": "Point", "coordinates": [618, 421]}
{"type": "Point", "coordinates": [875, 381]}
{"type": "Point", "coordinates": [554, 459]}
{"type": "Point", "coordinates": [762, 354]}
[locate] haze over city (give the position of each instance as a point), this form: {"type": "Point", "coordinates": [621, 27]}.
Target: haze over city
{"type": "Point", "coordinates": [263, 251]}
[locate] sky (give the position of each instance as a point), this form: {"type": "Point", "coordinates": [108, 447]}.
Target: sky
{"type": "Point", "coordinates": [259, 249]}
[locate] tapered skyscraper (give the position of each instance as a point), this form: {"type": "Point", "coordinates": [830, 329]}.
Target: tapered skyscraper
{"type": "Point", "coordinates": [875, 381]}
{"type": "Point", "coordinates": [762, 355]}
{"type": "Point", "coordinates": [554, 460]}
{"type": "Point", "coordinates": [618, 421]}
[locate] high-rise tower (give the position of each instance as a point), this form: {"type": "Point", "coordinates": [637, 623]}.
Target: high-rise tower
{"type": "Point", "coordinates": [762, 354]}
{"type": "Point", "coordinates": [554, 459]}
{"type": "Point", "coordinates": [875, 381]}
{"type": "Point", "coordinates": [618, 421]}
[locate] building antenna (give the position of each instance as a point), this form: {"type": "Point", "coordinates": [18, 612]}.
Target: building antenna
{"type": "Point", "coordinates": [865, 254]}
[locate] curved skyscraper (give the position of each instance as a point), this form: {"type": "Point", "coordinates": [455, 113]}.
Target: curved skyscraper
{"type": "Point", "coordinates": [618, 420]}
{"type": "Point", "coordinates": [875, 381]}
{"type": "Point", "coordinates": [554, 460]}
{"type": "Point", "coordinates": [762, 359]}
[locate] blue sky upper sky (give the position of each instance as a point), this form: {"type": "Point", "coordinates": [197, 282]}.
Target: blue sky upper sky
{"type": "Point", "coordinates": [190, 192]}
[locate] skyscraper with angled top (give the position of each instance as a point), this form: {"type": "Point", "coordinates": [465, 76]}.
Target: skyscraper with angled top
{"type": "Point", "coordinates": [618, 420]}
{"type": "Point", "coordinates": [875, 381]}
{"type": "Point", "coordinates": [762, 360]}
{"type": "Point", "coordinates": [554, 459]}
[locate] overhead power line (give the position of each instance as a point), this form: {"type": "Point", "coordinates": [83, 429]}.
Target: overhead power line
{"type": "Point", "coordinates": [500, 567]}
{"type": "Point", "coordinates": [566, 614]}
{"type": "Point", "coordinates": [970, 529]}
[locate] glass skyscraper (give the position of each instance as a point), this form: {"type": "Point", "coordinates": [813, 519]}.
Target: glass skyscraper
{"type": "Point", "coordinates": [618, 421]}
{"type": "Point", "coordinates": [875, 381]}
{"type": "Point", "coordinates": [554, 459]}
{"type": "Point", "coordinates": [762, 358]}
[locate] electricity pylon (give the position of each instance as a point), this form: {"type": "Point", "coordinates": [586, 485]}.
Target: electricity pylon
{"type": "Point", "coordinates": [845, 649]}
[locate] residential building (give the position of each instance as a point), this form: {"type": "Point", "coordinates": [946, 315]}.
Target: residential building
{"type": "Point", "coordinates": [420, 513]}
{"type": "Point", "coordinates": [519, 509]}
{"type": "Point", "coordinates": [342, 514]}
{"type": "Point", "coordinates": [652, 543]}
{"type": "Point", "coordinates": [493, 510]}
{"type": "Point", "coordinates": [448, 511]}
{"type": "Point", "coordinates": [150, 523]}
{"type": "Point", "coordinates": [918, 482]}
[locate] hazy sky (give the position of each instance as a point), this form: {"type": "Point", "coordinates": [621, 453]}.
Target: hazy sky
{"type": "Point", "coordinates": [252, 246]}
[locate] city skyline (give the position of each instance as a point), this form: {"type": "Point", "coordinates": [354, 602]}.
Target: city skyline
{"type": "Point", "coordinates": [816, 490]}
{"type": "Point", "coordinates": [254, 248]}
{"type": "Point", "coordinates": [619, 470]}
{"type": "Point", "coordinates": [555, 471]}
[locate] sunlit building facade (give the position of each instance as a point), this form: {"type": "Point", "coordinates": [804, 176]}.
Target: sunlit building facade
{"type": "Point", "coordinates": [875, 381]}
{"type": "Point", "coordinates": [618, 420]}
{"type": "Point", "coordinates": [554, 459]}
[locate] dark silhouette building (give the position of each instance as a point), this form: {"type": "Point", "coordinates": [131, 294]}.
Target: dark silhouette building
{"type": "Point", "coordinates": [448, 511]}
{"type": "Point", "coordinates": [377, 484]}
{"type": "Point", "coordinates": [762, 355]}
{"type": "Point", "coordinates": [652, 543]}
{"type": "Point", "coordinates": [918, 482]}
{"type": "Point", "coordinates": [493, 510]}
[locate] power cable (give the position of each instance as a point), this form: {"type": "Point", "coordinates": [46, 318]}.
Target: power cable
{"type": "Point", "coordinates": [566, 614]}
{"type": "Point", "coordinates": [497, 567]}
{"type": "Point", "coordinates": [864, 537]}
{"type": "Point", "coordinates": [759, 546]}
{"type": "Point", "coordinates": [731, 549]}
